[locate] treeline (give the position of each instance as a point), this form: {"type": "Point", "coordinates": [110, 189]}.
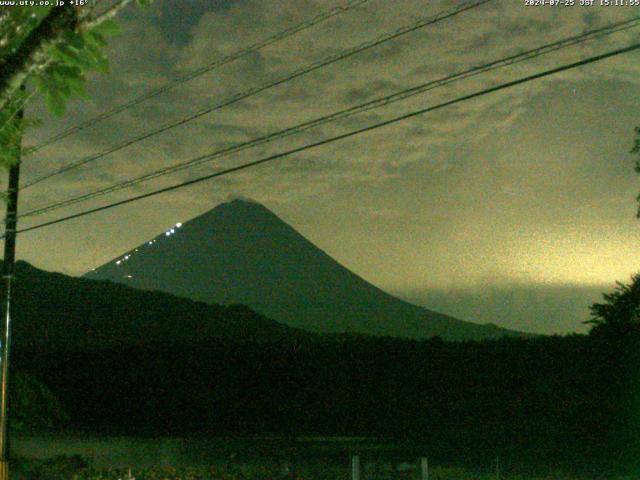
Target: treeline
{"type": "Point", "coordinates": [571, 400]}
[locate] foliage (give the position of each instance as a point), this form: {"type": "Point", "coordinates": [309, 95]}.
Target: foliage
{"type": "Point", "coordinates": [636, 150]}
{"type": "Point", "coordinates": [33, 406]}
{"type": "Point", "coordinates": [80, 52]}
{"type": "Point", "coordinates": [620, 311]}
{"type": "Point", "coordinates": [62, 467]}
{"type": "Point", "coordinates": [59, 66]}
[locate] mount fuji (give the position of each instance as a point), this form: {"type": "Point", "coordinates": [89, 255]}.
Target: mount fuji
{"type": "Point", "coordinates": [242, 253]}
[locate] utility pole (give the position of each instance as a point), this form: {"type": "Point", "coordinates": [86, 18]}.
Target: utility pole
{"type": "Point", "coordinates": [8, 268]}
{"type": "Point", "coordinates": [424, 468]}
{"type": "Point", "coordinates": [355, 467]}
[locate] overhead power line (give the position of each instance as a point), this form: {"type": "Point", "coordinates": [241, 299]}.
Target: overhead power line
{"type": "Point", "coordinates": [343, 136]}
{"type": "Point", "coordinates": [200, 71]}
{"type": "Point", "coordinates": [423, 22]}
{"type": "Point", "coordinates": [372, 104]}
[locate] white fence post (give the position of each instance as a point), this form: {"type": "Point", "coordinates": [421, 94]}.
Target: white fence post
{"type": "Point", "coordinates": [355, 468]}
{"type": "Point", "coordinates": [424, 468]}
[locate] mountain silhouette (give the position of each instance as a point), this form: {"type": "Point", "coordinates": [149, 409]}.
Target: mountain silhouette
{"type": "Point", "coordinates": [242, 253]}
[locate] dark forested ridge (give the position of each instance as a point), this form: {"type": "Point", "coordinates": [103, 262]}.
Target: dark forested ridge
{"type": "Point", "coordinates": [567, 400]}
{"type": "Point", "coordinates": [54, 310]}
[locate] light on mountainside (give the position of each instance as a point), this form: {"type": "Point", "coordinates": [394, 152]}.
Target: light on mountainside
{"type": "Point", "coordinates": [258, 260]}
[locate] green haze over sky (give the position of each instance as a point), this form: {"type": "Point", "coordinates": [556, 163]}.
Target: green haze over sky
{"type": "Point", "coordinates": [532, 187]}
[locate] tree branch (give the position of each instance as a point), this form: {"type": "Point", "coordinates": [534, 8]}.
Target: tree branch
{"type": "Point", "coordinates": [21, 63]}
{"type": "Point", "coordinates": [31, 55]}
{"type": "Point", "coordinates": [108, 14]}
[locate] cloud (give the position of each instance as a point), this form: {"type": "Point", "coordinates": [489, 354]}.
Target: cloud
{"type": "Point", "coordinates": [483, 168]}
{"type": "Point", "coordinates": [545, 309]}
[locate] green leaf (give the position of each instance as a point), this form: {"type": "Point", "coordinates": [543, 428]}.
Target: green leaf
{"type": "Point", "coordinates": [55, 103]}
{"type": "Point", "coordinates": [41, 84]}
{"type": "Point", "coordinates": [68, 71]}
{"type": "Point", "coordinates": [92, 51]}
{"type": "Point", "coordinates": [96, 39]}
{"type": "Point", "coordinates": [61, 86]}
{"type": "Point", "coordinates": [77, 86]}
{"type": "Point", "coordinates": [103, 65]}
{"type": "Point", "coordinates": [51, 81]}
{"type": "Point", "coordinates": [107, 28]}
{"type": "Point", "coordinates": [74, 39]}
{"type": "Point", "coordinates": [66, 54]}
{"type": "Point", "coordinates": [97, 58]}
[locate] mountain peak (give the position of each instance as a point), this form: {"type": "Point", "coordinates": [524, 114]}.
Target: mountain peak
{"type": "Point", "coordinates": [238, 209]}
{"type": "Point", "coordinates": [242, 201]}
{"type": "Point", "coordinates": [237, 203]}
{"type": "Point", "coordinates": [240, 252]}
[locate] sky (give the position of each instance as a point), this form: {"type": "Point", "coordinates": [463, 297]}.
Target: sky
{"type": "Point", "coordinates": [517, 207]}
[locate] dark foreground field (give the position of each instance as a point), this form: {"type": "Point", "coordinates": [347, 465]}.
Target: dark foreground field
{"type": "Point", "coordinates": [540, 405]}
{"type": "Point", "coordinates": [312, 458]}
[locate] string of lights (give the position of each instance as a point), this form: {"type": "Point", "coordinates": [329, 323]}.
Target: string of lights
{"type": "Point", "coordinates": [372, 104]}
{"type": "Point", "coordinates": [199, 72]}
{"type": "Point", "coordinates": [421, 23]}
{"type": "Point", "coordinates": [342, 136]}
